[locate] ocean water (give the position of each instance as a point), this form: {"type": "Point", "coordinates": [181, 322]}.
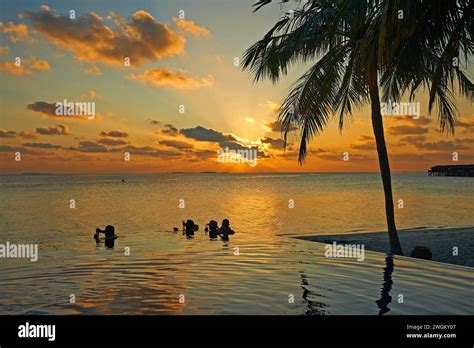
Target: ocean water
{"type": "Point", "coordinates": [262, 270]}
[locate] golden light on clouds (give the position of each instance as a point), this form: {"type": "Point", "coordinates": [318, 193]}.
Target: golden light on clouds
{"type": "Point", "coordinates": [140, 102]}
{"type": "Point", "coordinates": [15, 32]}
{"type": "Point", "coordinates": [91, 39]}
{"type": "Point", "coordinates": [25, 66]}
{"type": "Point", "coordinates": [192, 28]}
{"type": "Point", "coordinates": [176, 79]}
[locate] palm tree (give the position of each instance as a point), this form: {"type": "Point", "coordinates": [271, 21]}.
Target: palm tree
{"type": "Point", "coordinates": [366, 51]}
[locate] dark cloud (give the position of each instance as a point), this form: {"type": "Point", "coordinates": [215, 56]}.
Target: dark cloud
{"type": "Point", "coordinates": [90, 39]}
{"type": "Point", "coordinates": [45, 108]}
{"type": "Point", "coordinates": [170, 130]}
{"type": "Point", "coordinates": [58, 130]}
{"type": "Point", "coordinates": [331, 156]}
{"type": "Point", "coordinates": [29, 136]}
{"type": "Point", "coordinates": [232, 145]}
{"type": "Point", "coordinates": [7, 134]}
{"type": "Point", "coordinates": [90, 146]}
{"type": "Point", "coordinates": [203, 134]}
{"type": "Point", "coordinates": [155, 122]}
{"type": "Point", "coordinates": [310, 151]}
{"type": "Point", "coordinates": [114, 134]}
{"type": "Point", "coordinates": [111, 142]}
{"type": "Point", "coordinates": [429, 159]}
{"type": "Point", "coordinates": [148, 151]}
{"type": "Point", "coordinates": [442, 145]}
{"type": "Point", "coordinates": [49, 110]}
{"type": "Point", "coordinates": [274, 143]}
{"type": "Point", "coordinates": [6, 148]}
{"type": "Point", "coordinates": [275, 127]}
{"type": "Point", "coordinates": [176, 144]}
{"type": "Point", "coordinates": [205, 154]}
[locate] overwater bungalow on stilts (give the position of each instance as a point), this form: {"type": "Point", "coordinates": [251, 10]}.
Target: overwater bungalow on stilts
{"type": "Point", "coordinates": [452, 170]}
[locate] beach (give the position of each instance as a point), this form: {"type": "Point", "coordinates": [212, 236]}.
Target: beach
{"type": "Point", "coordinates": [441, 242]}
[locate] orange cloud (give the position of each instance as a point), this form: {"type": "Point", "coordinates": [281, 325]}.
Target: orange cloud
{"type": "Point", "coordinates": [88, 38]}
{"type": "Point", "coordinates": [274, 107]}
{"type": "Point", "coordinates": [413, 139]}
{"type": "Point", "coordinates": [15, 32]}
{"type": "Point", "coordinates": [93, 70]}
{"type": "Point", "coordinates": [364, 146]}
{"type": "Point", "coordinates": [407, 130]}
{"type": "Point", "coordinates": [421, 121]}
{"type": "Point", "coordinates": [165, 77]}
{"type": "Point", "coordinates": [26, 67]}
{"type": "Point", "coordinates": [468, 125]}
{"type": "Point", "coordinates": [11, 68]}
{"type": "Point", "coordinates": [3, 50]}
{"type": "Point", "coordinates": [36, 64]}
{"type": "Point", "coordinates": [191, 28]}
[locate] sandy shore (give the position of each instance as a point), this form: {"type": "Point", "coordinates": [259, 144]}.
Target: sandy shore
{"type": "Point", "coordinates": [440, 241]}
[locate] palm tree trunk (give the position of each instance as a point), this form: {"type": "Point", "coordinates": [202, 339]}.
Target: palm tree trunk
{"type": "Point", "coordinates": [377, 125]}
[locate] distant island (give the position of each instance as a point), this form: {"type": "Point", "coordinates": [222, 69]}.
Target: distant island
{"type": "Point", "coordinates": [205, 172]}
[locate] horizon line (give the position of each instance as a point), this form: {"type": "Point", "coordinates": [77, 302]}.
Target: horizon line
{"type": "Point", "coordinates": [212, 172]}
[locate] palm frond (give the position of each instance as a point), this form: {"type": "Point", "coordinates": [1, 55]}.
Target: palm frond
{"type": "Point", "coordinates": [413, 54]}
{"type": "Point", "coordinates": [311, 101]}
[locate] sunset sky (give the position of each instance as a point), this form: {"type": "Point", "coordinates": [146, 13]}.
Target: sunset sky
{"type": "Point", "coordinates": [173, 62]}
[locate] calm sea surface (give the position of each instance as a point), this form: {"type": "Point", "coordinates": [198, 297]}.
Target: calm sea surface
{"type": "Point", "coordinates": [168, 274]}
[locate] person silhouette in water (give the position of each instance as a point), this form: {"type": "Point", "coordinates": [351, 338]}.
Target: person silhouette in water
{"type": "Point", "coordinates": [225, 231]}
{"type": "Point", "coordinates": [189, 228]}
{"type": "Point", "coordinates": [110, 235]}
{"type": "Point", "coordinates": [213, 229]}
